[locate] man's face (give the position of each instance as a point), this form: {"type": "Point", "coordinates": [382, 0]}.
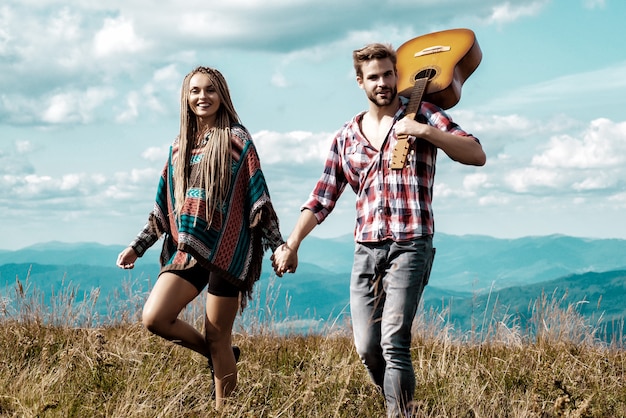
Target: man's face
{"type": "Point", "coordinates": [379, 80]}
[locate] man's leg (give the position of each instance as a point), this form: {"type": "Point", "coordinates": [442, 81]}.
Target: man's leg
{"type": "Point", "coordinates": [407, 274]}
{"type": "Point", "coordinates": [366, 306]}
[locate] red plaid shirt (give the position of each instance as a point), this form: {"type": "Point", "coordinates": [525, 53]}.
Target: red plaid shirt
{"type": "Point", "coordinates": [390, 204]}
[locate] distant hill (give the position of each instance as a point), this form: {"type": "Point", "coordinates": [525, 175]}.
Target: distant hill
{"type": "Point", "coordinates": [598, 296]}
{"type": "Point", "coordinates": [61, 253]}
{"type": "Point", "coordinates": [479, 263]}
{"type": "Point", "coordinates": [469, 263]}
{"type": "Point", "coordinates": [468, 270]}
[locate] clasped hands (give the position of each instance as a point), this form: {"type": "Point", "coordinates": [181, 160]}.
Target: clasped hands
{"type": "Point", "coordinates": [284, 260]}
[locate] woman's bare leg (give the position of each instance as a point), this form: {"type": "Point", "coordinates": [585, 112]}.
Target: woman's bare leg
{"type": "Point", "coordinates": [220, 316]}
{"type": "Point", "coordinates": [168, 298]}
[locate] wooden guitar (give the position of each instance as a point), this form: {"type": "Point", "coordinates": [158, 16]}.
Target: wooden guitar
{"type": "Point", "coordinates": [434, 67]}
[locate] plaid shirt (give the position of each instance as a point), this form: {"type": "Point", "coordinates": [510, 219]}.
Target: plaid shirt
{"type": "Point", "coordinates": [390, 204]}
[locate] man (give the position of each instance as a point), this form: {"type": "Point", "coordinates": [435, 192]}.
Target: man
{"type": "Point", "coordinates": [394, 221]}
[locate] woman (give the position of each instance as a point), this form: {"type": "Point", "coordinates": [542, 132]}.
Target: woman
{"type": "Point", "coordinates": [214, 210]}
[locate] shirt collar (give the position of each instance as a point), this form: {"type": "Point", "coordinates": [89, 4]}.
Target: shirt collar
{"type": "Point", "coordinates": [404, 102]}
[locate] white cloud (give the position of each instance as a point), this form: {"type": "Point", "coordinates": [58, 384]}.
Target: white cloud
{"type": "Point", "coordinates": [134, 187]}
{"type": "Point", "coordinates": [64, 25]}
{"type": "Point", "coordinates": [113, 43]}
{"type": "Point", "coordinates": [33, 185]}
{"type": "Point", "coordinates": [5, 36]}
{"type": "Point", "coordinates": [117, 36]}
{"type": "Point", "coordinates": [23, 147]}
{"type": "Point", "coordinates": [492, 200]}
{"type": "Point", "coordinates": [618, 199]}
{"type": "Point", "coordinates": [293, 147]}
{"type": "Point", "coordinates": [167, 75]}
{"type": "Point", "coordinates": [148, 99]}
{"type": "Point", "coordinates": [42, 188]}
{"type": "Point", "coordinates": [597, 181]}
{"type": "Point", "coordinates": [141, 176]}
{"type": "Point", "coordinates": [60, 109]}
{"type": "Point", "coordinates": [475, 181]}
{"type": "Point", "coordinates": [70, 181]}
{"type": "Point", "coordinates": [603, 144]}
{"type": "Point", "coordinates": [212, 24]}
{"type": "Point", "coordinates": [509, 11]}
{"type": "Point", "coordinates": [78, 193]}
{"type": "Point", "coordinates": [75, 106]}
{"type": "Point", "coordinates": [529, 179]}
{"type": "Point", "coordinates": [156, 153]}
{"type": "Point", "coordinates": [494, 124]}
{"type": "Point", "coordinates": [591, 160]}
{"type": "Point", "coordinates": [279, 80]}
{"type": "Point", "coordinates": [444, 190]}
{"type": "Point", "coordinates": [132, 108]}
{"type": "Point", "coordinates": [14, 162]}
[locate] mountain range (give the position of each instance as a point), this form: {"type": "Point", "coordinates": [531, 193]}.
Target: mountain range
{"type": "Point", "coordinates": [472, 275]}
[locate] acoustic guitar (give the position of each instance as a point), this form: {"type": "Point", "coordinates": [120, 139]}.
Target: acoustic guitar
{"type": "Point", "coordinates": [434, 67]}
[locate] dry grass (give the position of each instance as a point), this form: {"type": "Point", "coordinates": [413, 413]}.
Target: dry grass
{"type": "Point", "coordinates": [52, 366]}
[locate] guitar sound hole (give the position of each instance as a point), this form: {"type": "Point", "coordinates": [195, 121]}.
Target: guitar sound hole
{"type": "Point", "coordinates": [427, 72]}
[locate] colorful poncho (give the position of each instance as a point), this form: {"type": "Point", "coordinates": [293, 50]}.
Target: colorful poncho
{"type": "Point", "coordinates": [237, 238]}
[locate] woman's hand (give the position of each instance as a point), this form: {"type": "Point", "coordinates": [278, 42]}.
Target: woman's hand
{"type": "Point", "coordinates": [126, 259]}
{"type": "Point", "coordinates": [284, 260]}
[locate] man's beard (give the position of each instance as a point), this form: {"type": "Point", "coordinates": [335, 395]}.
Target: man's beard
{"type": "Point", "coordinates": [380, 102]}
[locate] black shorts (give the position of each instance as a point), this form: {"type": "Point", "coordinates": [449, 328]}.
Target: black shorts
{"type": "Point", "coordinates": [199, 277]}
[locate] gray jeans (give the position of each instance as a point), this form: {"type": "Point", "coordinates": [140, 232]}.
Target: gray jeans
{"type": "Point", "coordinates": [386, 285]}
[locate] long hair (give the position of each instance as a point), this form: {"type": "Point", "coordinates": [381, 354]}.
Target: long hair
{"type": "Point", "coordinates": [215, 170]}
{"type": "Point", "coordinates": [375, 51]}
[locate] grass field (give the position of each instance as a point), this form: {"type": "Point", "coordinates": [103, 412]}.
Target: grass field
{"type": "Point", "coordinates": [55, 363]}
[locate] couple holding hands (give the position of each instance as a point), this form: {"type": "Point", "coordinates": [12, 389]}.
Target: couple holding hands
{"type": "Point", "coordinates": [214, 211]}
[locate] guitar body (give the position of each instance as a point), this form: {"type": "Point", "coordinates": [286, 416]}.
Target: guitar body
{"type": "Point", "coordinates": [433, 67]}
{"type": "Point", "coordinates": [447, 58]}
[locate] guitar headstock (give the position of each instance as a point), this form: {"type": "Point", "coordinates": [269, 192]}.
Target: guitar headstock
{"type": "Point", "coordinates": [399, 153]}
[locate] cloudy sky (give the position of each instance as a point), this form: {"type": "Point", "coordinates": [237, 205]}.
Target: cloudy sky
{"type": "Point", "coordinates": [89, 101]}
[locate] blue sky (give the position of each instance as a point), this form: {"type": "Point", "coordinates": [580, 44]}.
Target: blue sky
{"type": "Point", "coordinates": [89, 100]}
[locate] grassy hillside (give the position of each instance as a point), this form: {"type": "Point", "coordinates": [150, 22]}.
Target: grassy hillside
{"type": "Point", "coordinates": [51, 365]}
{"type": "Point", "coordinates": [597, 297]}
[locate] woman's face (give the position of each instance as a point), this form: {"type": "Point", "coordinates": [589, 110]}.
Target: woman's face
{"type": "Point", "coordinates": [204, 100]}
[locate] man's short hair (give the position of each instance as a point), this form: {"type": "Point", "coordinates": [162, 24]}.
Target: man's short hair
{"type": "Point", "coordinates": [375, 51]}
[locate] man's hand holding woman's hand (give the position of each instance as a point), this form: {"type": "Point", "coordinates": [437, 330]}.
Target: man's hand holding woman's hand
{"type": "Point", "coordinates": [284, 260]}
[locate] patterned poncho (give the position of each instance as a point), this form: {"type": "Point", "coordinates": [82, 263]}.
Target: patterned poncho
{"type": "Point", "coordinates": [239, 234]}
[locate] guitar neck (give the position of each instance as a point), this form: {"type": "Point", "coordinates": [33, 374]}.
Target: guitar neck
{"type": "Point", "coordinates": [416, 97]}
{"type": "Point", "coordinates": [399, 153]}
